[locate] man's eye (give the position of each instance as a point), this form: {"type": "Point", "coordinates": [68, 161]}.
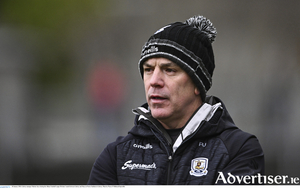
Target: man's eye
{"type": "Point", "coordinates": [170, 70]}
{"type": "Point", "coordinates": [147, 69]}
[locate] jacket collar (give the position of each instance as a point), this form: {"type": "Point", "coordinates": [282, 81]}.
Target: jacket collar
{"type": "Point", "coordinates": [204, 113]}
{"type": "Point", "coordinates": [202, 124]}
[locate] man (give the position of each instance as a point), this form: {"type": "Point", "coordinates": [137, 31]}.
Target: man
{"type": "Point", "coordinates": [181, 136]}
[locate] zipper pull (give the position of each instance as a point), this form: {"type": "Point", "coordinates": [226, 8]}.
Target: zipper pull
{"type": "Point", "coordinates": [169, 169]}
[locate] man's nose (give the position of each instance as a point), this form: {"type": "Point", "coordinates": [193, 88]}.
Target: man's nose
{"type": "Point", "coordinates": [157, 78]}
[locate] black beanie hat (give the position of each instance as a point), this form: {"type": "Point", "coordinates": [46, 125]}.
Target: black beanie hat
{"type": "Point", "coordinates": [187, 44]}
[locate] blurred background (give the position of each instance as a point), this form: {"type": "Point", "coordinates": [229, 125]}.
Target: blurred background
{"type": "Point", "coordinates": [69, 78]}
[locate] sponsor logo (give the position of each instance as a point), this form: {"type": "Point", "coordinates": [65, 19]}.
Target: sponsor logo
{"type": "Point", "coordinates": [150, 50]}
{"type": "Point", "coordinates": [199, 167]}
{"type": "Point", "coordinates": [147, 146]}
{"type": "Point", "coordinates": [133, 166]}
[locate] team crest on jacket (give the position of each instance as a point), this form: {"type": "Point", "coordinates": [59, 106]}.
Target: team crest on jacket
{"type": "Point", "coordinates": [199, 166]}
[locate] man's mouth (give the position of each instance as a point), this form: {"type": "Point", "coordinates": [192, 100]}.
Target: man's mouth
{"type": "Point", "coordinates": [157, 98]}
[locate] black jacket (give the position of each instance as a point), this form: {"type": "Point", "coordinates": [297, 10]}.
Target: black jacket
{"type": "Point", "coordinates": [210, 143]}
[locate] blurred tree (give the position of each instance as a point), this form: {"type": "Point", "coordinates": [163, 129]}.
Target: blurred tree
{"type": "Point", "coordinates": [54, 21]}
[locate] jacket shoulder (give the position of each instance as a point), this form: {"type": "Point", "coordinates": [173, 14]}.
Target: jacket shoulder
{"type": "Point", "coordinates": [237, 141]}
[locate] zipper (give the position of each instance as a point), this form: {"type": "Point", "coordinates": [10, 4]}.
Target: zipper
{"type": "Point", "coordinates": [169, 170]}
{"type": "Point", "coordinates": [169, 158]}
{"type": "Point", "coordinates": [167, 138]}
{"type": "Point", "coordinates": [170, 155]}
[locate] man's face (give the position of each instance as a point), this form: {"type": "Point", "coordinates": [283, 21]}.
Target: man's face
{"type": "Point", "coordinates": [170, 92]}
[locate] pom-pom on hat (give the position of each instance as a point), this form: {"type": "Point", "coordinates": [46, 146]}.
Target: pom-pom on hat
{"type": "Point", "coordinates": [187, 44]}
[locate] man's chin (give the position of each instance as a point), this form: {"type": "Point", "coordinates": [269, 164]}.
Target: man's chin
{"type": "Point", "coordinates": [159, 114]}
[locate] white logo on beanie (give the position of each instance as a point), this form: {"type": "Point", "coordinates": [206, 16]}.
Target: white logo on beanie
{"type": "Point", "coordinates": [150, 50]}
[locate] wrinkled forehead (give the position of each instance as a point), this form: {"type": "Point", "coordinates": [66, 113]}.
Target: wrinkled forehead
{"type": "Point", "coordinates": [159, 61]}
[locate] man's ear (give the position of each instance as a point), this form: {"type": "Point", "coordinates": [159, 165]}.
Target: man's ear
{"type": "Point", "coordinates": [197, 92]}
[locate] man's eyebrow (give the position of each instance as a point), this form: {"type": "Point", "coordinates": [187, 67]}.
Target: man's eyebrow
{"type": "Point", "coordinates": [147, 65]}
{"type": "Point", "coordinates": [164, 64]}
{"type": "Point", "coordinates": [168, 64]}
